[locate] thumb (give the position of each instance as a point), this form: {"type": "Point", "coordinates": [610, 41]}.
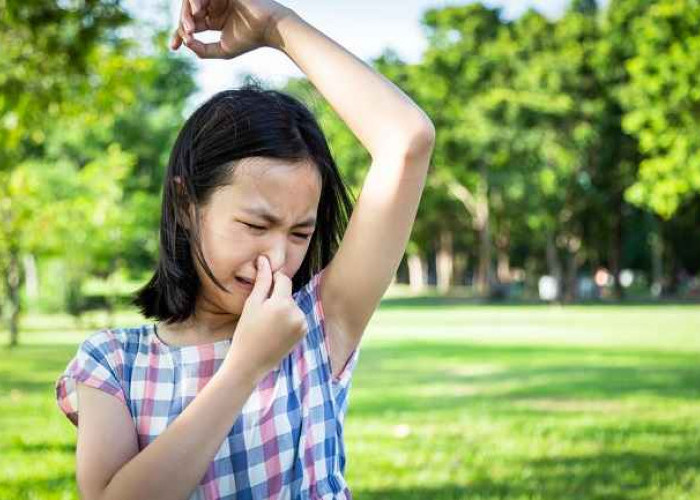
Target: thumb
{"type": "Point", "coordinates": [263, 281]}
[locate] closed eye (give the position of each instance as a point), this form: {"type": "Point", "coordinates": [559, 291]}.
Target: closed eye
{"type": "Point", "coordinates": [262, 228]}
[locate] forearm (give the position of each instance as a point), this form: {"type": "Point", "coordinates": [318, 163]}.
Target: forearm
{"type": "Point", "coordinates": [382, 117]}
{"type": "Point", "coordinates": [172, 465]}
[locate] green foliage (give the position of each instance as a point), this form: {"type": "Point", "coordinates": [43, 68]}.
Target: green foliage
{"type": "Point", "coordinates": [352, 158]}
{"type": "Point", "coordinates": [140, 112]}
{"type": "Point", "coordinates": [559, 123]}
{"type": "Point", "coordinates": [662, 104]}
{"type": "Point", "coordinates": [85, 133]}
{"type": "Point", "coordinates": [46, 50]}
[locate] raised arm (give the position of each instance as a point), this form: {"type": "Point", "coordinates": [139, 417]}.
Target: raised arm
{"type": "Point", "coordinates": [399, 137]}
{"type": "Point", "coordinates": [397, 133]}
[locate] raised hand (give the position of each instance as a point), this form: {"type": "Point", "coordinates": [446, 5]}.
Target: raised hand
{"type": "Point", "coordinates": [244, 25]}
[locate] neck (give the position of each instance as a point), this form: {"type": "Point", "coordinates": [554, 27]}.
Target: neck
{"type": "Point", "coordinates": [209, 323]}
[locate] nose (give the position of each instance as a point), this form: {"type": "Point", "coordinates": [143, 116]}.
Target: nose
{"type": "Point", "coordinates": [275, 254]}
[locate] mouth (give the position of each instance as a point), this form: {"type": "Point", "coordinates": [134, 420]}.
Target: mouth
{"type": "Point", "coordinates": [244, 282]}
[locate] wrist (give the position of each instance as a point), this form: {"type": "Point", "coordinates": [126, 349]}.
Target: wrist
{"type": "Point", "coordinates": [274, 35]}
{"type": "Point", "coordinates": [240, 367]}
{"type": "Point", "coordinates": [239, 373]}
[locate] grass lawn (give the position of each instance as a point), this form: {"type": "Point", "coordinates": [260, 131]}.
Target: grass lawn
{"type": "Point", "coordinates": [450, 401]}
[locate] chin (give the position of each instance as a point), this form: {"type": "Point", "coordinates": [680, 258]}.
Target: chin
{"type": "Point", "coordinates": [232, 303]}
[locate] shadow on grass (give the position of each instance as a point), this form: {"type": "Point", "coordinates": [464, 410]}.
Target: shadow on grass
{"type": "Point", "coordinates": [448, 492]}
{"type": "Point", "coordinates": [460, 375]}
{"type": "Point", "coordinates": [43, 447]}
{"type": "Point", "coordinates": [601, 476]}
{"type": "Point", "coordinates": [451, 301]}
{"type": "Point", "coordinates": [623, 475]}
{"type": "Point", "coordinates": [59, 486]}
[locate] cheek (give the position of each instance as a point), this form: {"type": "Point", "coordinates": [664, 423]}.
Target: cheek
{"type": "Point", "coordinates": [224, 252]}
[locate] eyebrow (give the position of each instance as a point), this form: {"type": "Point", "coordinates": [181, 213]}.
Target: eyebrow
{"type": "Point", "coordinates": [273, 219]}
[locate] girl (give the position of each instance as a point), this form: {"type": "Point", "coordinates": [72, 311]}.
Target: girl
{"type": "Point", "coordinates": [238, 389]}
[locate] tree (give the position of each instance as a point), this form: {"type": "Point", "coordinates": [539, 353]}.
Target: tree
{"type": "Point", "coordinates": [46, 46]}
{"type": "Point", "coordinates": [88, 190]}
{"type": "Point", "coordinates": [662, 103]}
{"type": "Point", "coordinates": [461, 72]}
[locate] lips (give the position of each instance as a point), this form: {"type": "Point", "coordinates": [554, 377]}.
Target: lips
{"type": "Point", "coordinates": [244, 280]}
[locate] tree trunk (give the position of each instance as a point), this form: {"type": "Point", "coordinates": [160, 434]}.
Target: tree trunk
{"type": "Point", "coordinates": [416, 273]}
{"type": "Point", "coordinates": [477, 205]}
{"type": "Point", "coordinates": [553, 264]}
{"type": "Point", "coordinates": [13, 282]}
{"type": "Point", "coordinates": [483, 277]}
{"type": "Point", "coordinates": [503, 256]}
{"type": "Point", "coordinates": [482, 223]}
{"type": "Point", "coordinates": [31, 276]}
{"type": "Point", "coordinates": [616, 248]}
{"type": "Point", "coordinates": [657, 265]}
{"type": "Point", "coordinates": [573, 262]}
{"type": "Point", "coordinates": [460, 267]}
{"type": "Point", "coordinates": [444, 261]}
{"type": "Point", "coordinates": [503, 267]}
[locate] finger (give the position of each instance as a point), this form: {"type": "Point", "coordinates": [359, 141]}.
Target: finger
{"type": "Point", "coordinates": [205, 50]}
{"type": "Point", "coordinates": [263, 281]}
{"type": "Point", "coordinates": [183, 36]}
{"type": "Point", "coordinates": [186, 17]}
{"type": "Point", "coordinates": [201, 24]}
{"type": "Point", "coordinates": [176, 40]}
{"type": "Point", "coordinates": [196, 6]}
{"type": "Point", "coordinates": [283, 285]}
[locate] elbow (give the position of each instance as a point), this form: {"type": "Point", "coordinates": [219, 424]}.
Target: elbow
{"type": "Point", "coordinates": [422, 140]}
{"type": "Point", "coordinates": [412, 144]}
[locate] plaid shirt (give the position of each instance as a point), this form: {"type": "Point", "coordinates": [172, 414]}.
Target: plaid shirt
{"type": "Point", "coordinates": [287, 441]}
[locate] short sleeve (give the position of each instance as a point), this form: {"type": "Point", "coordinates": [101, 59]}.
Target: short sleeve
{"type": "Point", "coordinates": [317, 338]}
{"type": "Point", "coordinates": [98, 363]}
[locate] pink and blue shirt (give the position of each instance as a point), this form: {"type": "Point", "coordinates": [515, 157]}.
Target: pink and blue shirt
{"type": "Point", "coordinates": [287, 441]}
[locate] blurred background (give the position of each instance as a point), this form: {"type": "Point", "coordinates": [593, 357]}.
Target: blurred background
{"type": "Point", "coordinates": [541, 338]}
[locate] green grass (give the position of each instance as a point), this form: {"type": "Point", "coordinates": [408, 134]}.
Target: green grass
{"type": "Point", "coordinates": [450, 401]}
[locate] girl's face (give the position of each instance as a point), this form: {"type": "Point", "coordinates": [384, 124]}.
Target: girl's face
{"type": "Point", "coordinates": [269, 209]}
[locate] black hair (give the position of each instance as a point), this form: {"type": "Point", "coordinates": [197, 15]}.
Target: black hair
{"type": "Point", "coordinates": [232, 125]}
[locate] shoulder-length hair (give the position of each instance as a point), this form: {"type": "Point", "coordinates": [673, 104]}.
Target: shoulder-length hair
{"type": "Point", "coordinates": [230, 126]}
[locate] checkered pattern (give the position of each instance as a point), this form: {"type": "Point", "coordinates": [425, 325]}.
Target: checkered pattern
{"type": "Point", "coordinates": [286, 443]}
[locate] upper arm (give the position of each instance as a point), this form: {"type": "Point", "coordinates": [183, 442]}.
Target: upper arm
{"type": "Point", "coordinates": [106, 440]}
{"type": "Point", "coordinates": [373, 244]}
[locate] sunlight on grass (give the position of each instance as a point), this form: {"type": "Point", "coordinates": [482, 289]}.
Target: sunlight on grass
{"type": "Point", "coordinates": [499, 402]}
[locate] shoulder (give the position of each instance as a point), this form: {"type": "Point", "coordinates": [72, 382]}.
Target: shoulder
{"type": "Point", "coordinates": [119, 339]}
{"type": "Point", "coordinates": [99, 363]}
{"type": "Point", "coordinates": [103, 349]}
{"type": "Point", "coordinates": [106, 340]}
{"type": "Point", "coordinates": [113, 349]}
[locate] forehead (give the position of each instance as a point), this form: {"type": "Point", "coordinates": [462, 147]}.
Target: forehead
{"type": "Point", "coordinates": [282, 187]}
